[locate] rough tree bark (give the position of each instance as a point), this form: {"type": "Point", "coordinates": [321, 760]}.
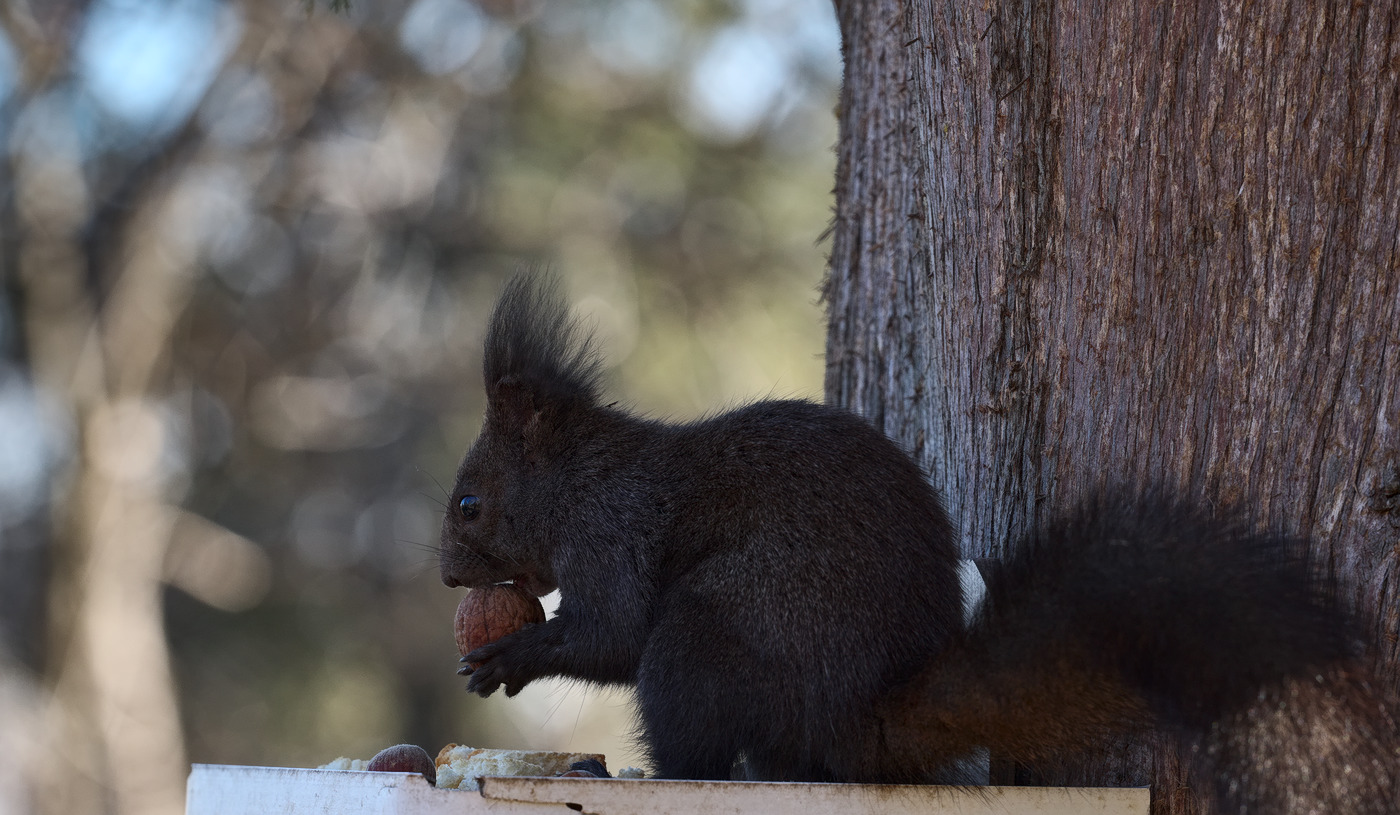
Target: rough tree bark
{"type": "Point", "coordinates": [1106, 242]}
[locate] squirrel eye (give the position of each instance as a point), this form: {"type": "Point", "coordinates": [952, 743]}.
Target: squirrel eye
{"type": "Point", "coordinates": [470, 506]}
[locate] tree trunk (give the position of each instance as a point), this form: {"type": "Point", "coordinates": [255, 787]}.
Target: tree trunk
{"type": "Point", "coordinates": [1110, 242]}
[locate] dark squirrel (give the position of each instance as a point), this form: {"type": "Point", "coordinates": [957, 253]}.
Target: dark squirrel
{"type": "Point", "coordinates": [780, 583]}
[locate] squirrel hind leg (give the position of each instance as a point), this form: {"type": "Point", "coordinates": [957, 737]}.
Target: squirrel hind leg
{"type": "Point", "coordinates": [680, 758]}
{"type": "Point", "coordinates": [701, 723]}
{"type": "Point", "coordinates": [691, 726]}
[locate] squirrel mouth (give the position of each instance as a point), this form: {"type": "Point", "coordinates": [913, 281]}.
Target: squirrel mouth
{"type": "Point", "coordinates": [480, 572]}
{"type": "Point", "coordinates": [535, 586]}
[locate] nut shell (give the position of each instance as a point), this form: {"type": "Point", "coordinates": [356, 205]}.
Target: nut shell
{"type": "Point", "coordinates": [487, 614]}
{"type": "Point", "coordinates": [404, 758]}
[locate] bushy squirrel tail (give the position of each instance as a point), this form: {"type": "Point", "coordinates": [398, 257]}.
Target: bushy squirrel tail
{"type": "Point", "coordinates": [1138, 614]}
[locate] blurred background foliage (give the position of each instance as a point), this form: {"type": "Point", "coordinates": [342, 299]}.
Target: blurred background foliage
{"type": "Point", "coordinates": [246, 252]}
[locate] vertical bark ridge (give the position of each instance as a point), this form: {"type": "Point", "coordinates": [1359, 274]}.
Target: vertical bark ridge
{"type": "Point", "coordinates": [1090, 242]}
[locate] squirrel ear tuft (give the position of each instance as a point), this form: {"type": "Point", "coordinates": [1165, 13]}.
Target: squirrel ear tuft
{"type": "Point", "coordinates": [533, 339]}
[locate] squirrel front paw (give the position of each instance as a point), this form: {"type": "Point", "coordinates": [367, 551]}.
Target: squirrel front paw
{"type": "Point", "coordinates": [494, 665]}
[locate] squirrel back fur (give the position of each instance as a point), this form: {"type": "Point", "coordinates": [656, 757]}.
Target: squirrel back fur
{"type": "Point", "coordinates": [780, 584]}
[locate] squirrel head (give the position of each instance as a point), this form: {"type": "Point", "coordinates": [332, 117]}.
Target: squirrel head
{"type": "Point", "coordinates": [542, 381]}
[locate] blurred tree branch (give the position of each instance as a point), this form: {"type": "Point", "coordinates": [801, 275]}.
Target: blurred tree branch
{"type": "Point", "coordinates": [103, 290]}
{"type": "Point", "coordinates": [106, 357]}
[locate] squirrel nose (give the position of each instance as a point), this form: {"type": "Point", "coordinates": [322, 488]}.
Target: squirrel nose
{"type": "Point", "coordinates": [449, 581]}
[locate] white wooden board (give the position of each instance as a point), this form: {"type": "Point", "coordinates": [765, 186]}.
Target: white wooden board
{"type": "Point", "coordinates": [216, 789]}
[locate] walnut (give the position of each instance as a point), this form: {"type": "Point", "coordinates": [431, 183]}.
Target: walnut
{"type": "Point", "coordinates": [487, 614]}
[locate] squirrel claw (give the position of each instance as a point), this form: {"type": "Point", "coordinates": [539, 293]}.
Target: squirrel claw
{"type": "Point", "coordinates": [465, 670]}
{"type": "Point", "coordinates": [482, 687]}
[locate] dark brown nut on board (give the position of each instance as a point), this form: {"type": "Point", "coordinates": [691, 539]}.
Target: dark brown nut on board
{"type": "Point", "coordinates": [404, 758]}
{"type": "Point", "coordinates": [487, 614]}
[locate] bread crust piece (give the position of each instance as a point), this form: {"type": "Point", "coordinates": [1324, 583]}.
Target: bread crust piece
{"type": "Point", "coordinates": [459, 766]}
